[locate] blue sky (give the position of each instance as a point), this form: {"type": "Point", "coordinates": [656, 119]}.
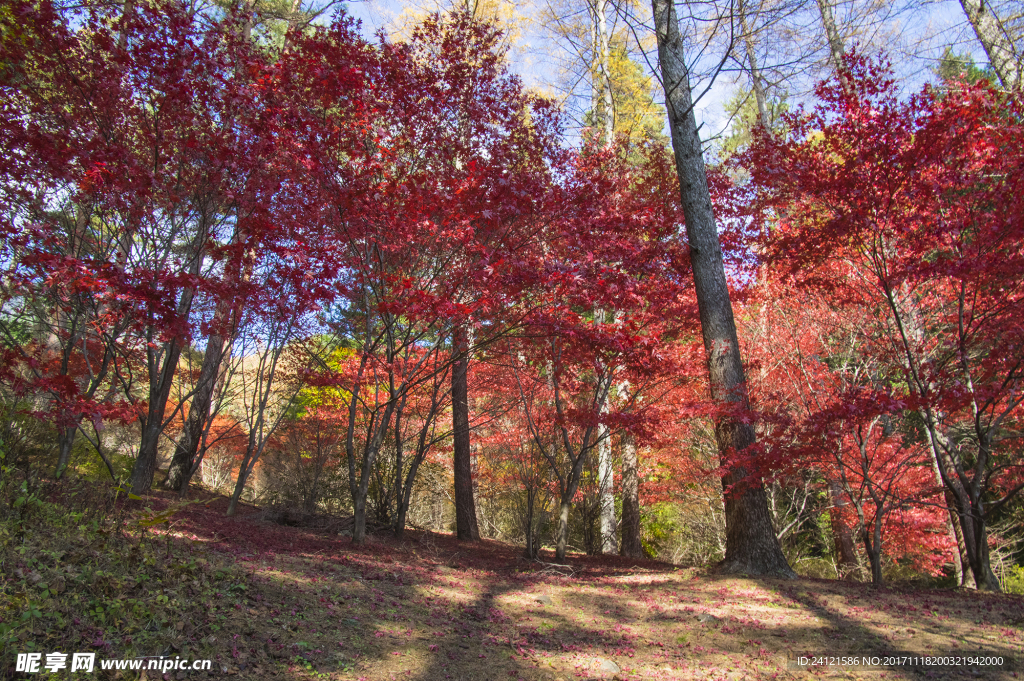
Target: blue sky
{"type": "Point", "coordinates": [913, 33]}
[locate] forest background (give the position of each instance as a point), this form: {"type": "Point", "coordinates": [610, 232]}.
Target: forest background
{"type": "Point", "coordinates": [380, 280]}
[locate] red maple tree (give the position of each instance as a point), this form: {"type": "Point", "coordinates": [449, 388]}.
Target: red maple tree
{"type": "Point", "coordinates": [911, 210]}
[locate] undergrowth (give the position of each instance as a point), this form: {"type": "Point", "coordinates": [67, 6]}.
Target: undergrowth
{"type": "Point", "coordinates": [84, 569]}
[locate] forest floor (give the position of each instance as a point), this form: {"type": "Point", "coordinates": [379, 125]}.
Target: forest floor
{"type": "Point", "coordinates": [266, 601]}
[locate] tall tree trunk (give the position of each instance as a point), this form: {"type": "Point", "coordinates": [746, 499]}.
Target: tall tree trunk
{"type": "Point", "coordinates": [992, 35]}
{"type": "Point", "coordinates": [608, 542]}
{"type": "Point", "coordinates": [631, 546]}
{"type": "Point", "coordinates": [756, 83]}
{"type": "Point", "coordinates": [253, 450]}
{"type": "Point", "coordinates": [981, 561]}
{"type": "Point", "coordinates": [836, 48]}
{"type": "Point", "coordinates": [399, 463]}
{"type": "Point", "coordinates": [563, 529]}
{"type": "Point", "coordinates": [198, 413]}
{"type": "Point", "coordinates": [423, 444]}
{"type": "Point", "coordinates": [605, 474]}
{"type": "Point", "coordinates": [751, 544]}
{"type": "Point", "coordinates": [602, 96]}
{"type": "Point", "coordinates": [162, 365]}
{"type": "Point", "coordinates": [981, 565]}
{"type": "Point", "coordinates": [225, 327]}
{"type": "Point", "coordinates": [359, 519]}
{"type": "Point", "coordinates": [405, 498]}
{"type": "Point", "coordinates": [465, 506]}
{"type": "Point", "coordinates": [400, 517]}
{"type": "Point", "coordinates": [570, 484]}
{"type": "Point", "coordinates": [964, 493]}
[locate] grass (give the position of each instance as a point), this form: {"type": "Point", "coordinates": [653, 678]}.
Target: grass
{"type": "Point", "coordinates": [83, 571]}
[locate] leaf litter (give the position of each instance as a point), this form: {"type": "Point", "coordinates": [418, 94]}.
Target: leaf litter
{"type": "Point", "coordinates": [272, 602]}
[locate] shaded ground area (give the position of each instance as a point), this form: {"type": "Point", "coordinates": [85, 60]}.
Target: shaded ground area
{"type": "Point", "coordinates": [272, 602]}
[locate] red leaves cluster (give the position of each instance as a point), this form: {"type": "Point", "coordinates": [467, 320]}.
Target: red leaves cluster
{"type": "Point", "coordinates": [898, 223]}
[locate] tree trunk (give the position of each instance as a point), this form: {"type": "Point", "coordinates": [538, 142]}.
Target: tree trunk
{"type": "Point", "coordinates": [998, 46]}
{"type": "Point", "coordinates": [602, 96]}
{"type": "Point", "coordinates": [960, 552]}
{"type": "Point", "coordinates": [65, 441]}
{"type": "Point", "coordinates": [608, 541]}
{"type": "Point", "coordinates": [161, 365]}
{"type": "Point", "coordinates": [359, 500]}
{"type": "Point", "coordinates": [631, 545]}
{"type": "Point", "coordinates": [874, 551]}
{"type": "Point", "coordinates": [960, 562]}
{"type": "Point", "coordinates": [751, 544]}
{"type": "Point", "coordinates": [606, 499]}
{"type": "Point", "coordinates": [403, 483]}
{"type": "Point", "coordinates": [969, 514]}
{"type": "Point", "coordinates": [252, 452]}
{"type": "Point", "coordinates": [399, 463]}
{"type": "Point", "coordinates": [975, 534]}
{"type": "Point", "coordinates": [563, 531]}
{"type": "Point", "coordinates": [160, 390]}
{"type": "Point", "coordinates": [239, 487]}
{"type": "Point", "coordinates": [359, 519]}
{"type": "Point", "coordinates": [842, 534]}
{"type": "Point", "coordinates": [198, 413]}
{"type": "Point", "coordinates": [530, 552]}
{"type": "Point", "coordinates": [836, 48]}
{"type": "Point", "coordinates": [908, 320]}
{"type": "Point", "coordinates": [190, 473]}
{"type": "Point", "coordinates": [423, 445]}
{"type": "Point", "coordinates": [756, 84]}
{"type": "Point", "coordinates": [465, 507]}
{"type": "Point", "coordinates": [981, 561]}
{"type": "Point", "coordinates": [360, 488]}
{"type": "Point", "coordinates": [400, 516]}
{"type": "Point", "coordinates": [405, 497]}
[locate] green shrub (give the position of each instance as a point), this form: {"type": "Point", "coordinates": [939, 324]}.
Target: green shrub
{"type": "Point", "coordinates": [1013, 580]}
{"type": "Point", "coordinates": [814, 567]}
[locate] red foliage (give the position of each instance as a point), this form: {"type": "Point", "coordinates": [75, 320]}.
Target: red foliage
{"type": "Point", "coordinates": [904, 218]}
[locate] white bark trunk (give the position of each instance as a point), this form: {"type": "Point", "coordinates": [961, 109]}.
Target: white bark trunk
{"type": "Point", "coordinates": [756, 83]}
{"type": "Point", "coordinates": [603, 102]}
{"type": "Point", "coordinates": [605, 472]}
{"type": "Point", "coordinates": [992, 35]}
{"type": "Point", "coordinates": [836, 48]}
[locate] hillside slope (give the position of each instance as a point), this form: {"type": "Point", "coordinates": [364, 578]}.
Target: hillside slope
{"type": "Point", "coordinates": [265, 601]}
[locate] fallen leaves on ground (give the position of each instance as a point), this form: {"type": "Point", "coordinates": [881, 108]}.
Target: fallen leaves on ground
{"type": "Point", "coordinates": [272, 602]}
